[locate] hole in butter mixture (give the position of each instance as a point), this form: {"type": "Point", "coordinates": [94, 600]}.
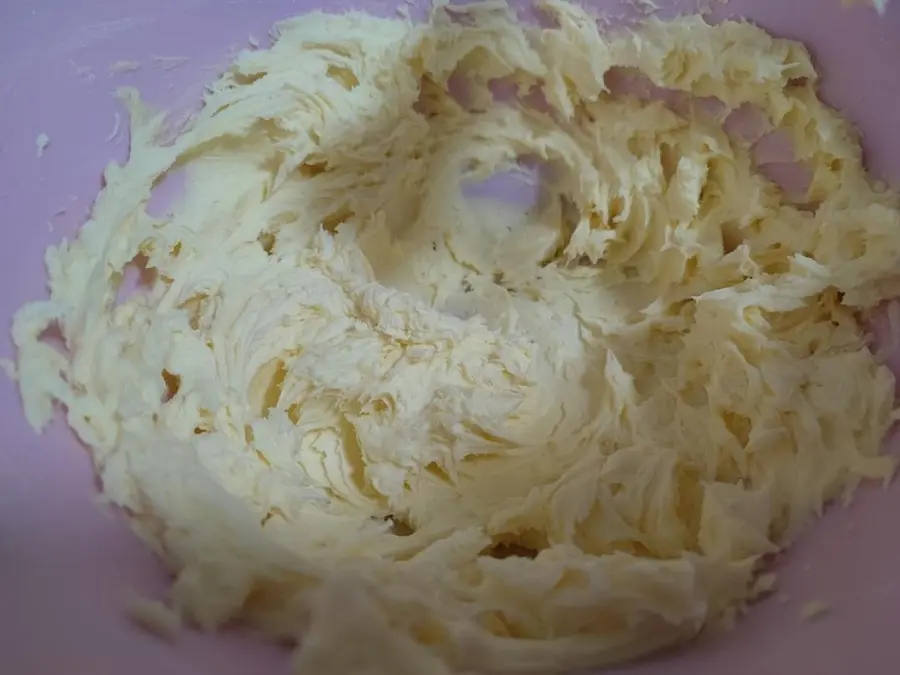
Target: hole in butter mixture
{"type": "Point", "coordinates": [477, 346]}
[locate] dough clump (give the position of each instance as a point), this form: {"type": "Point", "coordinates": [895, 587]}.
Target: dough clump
{"type": "Point", "coordinates": [356, 405]}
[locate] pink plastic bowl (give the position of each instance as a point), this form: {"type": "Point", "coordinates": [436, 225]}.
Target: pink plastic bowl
{"type": "Point", "coordinates": [66, 565]}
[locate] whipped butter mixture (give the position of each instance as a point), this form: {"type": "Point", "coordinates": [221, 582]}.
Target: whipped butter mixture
{"type": "Point", "coordinates": [423, 432]}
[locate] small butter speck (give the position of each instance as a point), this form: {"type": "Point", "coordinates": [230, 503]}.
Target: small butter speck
{"type": "Point", "coordinates": [42, 142]}
{"type": "Point", "coordinates": [814, 609]}
{"type": "Point", "coordinates": [153, 617]}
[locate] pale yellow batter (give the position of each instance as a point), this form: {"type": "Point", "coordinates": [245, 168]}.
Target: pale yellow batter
{"type": "Point", "coordinates": [425, 434]}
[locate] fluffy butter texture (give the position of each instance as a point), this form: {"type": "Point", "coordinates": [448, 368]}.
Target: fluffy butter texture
{"type": "Point", "coordinates": [419, 432]}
